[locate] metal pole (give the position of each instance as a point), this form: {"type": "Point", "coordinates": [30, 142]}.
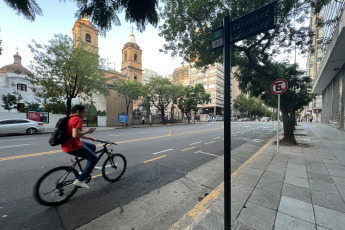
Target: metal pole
{"type": "Point", "coordinates": [278, 111]}
{"type": "Point", "coordinates": [227, 125]}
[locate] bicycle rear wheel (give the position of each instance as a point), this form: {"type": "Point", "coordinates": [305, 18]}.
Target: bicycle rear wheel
{"type": "Point", "coordinates": [114, 167]}
{"type": "Point", "coordinates": [55, 186]}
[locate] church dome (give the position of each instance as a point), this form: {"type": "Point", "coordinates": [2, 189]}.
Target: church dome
{"type": "Point", "coordinates": [16, 67]}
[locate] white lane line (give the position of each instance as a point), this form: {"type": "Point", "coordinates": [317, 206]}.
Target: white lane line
{"type": "Point", "coordinates": [10, 146]}
{"type": "Point", "coordinates": [162, 151]}
{"type": "Point", "coordinates": [195, 143]}
{"type": "Point", "coordinates": [116, 135]}
{"type": "Point", "coordinates": [207, 153]}
{"type": "Point", "coordinates": [257, 140]}
{"type": "Point", "coordinates": [216, 137]}
{"type": "Point", "coordinates": [18, 139]}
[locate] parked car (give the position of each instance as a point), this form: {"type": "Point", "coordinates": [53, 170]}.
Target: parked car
{"type": "Point", "coordinates": [17, 125]}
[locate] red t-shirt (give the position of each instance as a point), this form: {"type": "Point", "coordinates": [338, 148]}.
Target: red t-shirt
{"type": "Point", "coordinates": [73, 144]}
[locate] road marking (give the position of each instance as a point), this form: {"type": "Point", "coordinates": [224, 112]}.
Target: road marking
{"type": "Point", "coordinates": [209, 143]}
{"type": "Point", "coordinates": [155, 159]}
{"type": "Point", "coordinates": [116, 135]}
{"type": "Point", "coordinates": [188, 149]}
{"type": "Point", "coordinates": [162, 151]}
{"type": "Point", "coordinates": [208, 200]}
{"type": "Point", "coordinates": [195, 143]}
{"type": "Point", "coordinates": [207, 153]}
{"type": "Point", "coordinates": [257, 140]}
{"type": "Point", "coordinates": [119, 142]}
{"type": "Point", "coordinates": [216, 137]}
{"type": "Point", "coordinates": [18, 139]}
{"type": "Point", "coordinates": [9, 146]}
{"type": "Point", "coordinates": [29, 155]}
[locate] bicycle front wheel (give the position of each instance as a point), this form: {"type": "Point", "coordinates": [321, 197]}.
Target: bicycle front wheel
{"type": "Point", "coordinates": [114, 167]}
{"type": "Point", "coordinates": [56, 186]}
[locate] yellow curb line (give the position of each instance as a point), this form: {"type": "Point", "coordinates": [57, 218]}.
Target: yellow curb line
{"type": "Point", "coordinates": [209, 199]}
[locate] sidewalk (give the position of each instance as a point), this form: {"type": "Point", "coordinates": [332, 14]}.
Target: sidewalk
{"type": "Point", "coordinates": [302, 187]}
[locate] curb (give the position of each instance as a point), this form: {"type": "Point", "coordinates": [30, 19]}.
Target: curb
{"type": "Point", "coordinates": [189, 218]}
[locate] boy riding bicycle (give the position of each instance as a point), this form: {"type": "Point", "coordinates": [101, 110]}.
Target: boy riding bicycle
{"type": "Point", "coordinates": [74, 146]}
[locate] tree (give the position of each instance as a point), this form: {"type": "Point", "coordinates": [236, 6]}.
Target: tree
{"type": "Point", "coordinates": [191, 97]}
{"type": "Point", "coordinates": [130, 91]}
{"type": "Point", "coordinates": [10, 101]}
{"type": "Point", "coordinates": [62, 69]}
{"type": "Point", "coordinates": [103, 13]}
{"type": "Point", "coordinates": [159, 92]}
{"type": "Point", "coordinates": [189, 35]}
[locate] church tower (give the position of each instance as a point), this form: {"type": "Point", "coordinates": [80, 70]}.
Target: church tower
{"type": "Point", "coordinates": [84, 31]}
{"type": "Point", "coordinates": [131, 60]}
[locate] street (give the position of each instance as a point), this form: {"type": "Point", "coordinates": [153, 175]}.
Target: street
{"type": "Point", "coordinates": [156, 156]}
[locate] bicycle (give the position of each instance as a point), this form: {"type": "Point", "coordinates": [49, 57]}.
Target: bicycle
{"type": "Point", "coordinates": [56, 186]}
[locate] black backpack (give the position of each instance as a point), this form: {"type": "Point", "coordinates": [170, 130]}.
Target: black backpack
{"type": "Point", "coordinates": [59, 136]}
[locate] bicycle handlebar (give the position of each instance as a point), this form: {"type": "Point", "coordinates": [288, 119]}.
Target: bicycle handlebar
{"type": "Point", "coordinates": [106, 142]}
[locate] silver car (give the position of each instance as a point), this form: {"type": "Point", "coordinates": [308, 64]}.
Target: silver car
{"type": "Point", "coordinates": [18, 125]}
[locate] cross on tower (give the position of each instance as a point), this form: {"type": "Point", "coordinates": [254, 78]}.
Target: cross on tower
{"type": "Point", "coordinates": [17, 49]}
{"type": "Point", "coordinates": [132, 28]}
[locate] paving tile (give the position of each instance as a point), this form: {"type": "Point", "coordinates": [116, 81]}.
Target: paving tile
{"type": "Point", "coordinates": [335, 167]}
{"type": "Point", "coordinates": [328, 200]}
{"type": "Point", "coordinates": [318, 176]}
{"type": "Point", "coordinates": [329, 218]}
{"type": "Point", "coordinates": [298, 181]}
{"type": "Point", "coordinates": [286, 222]}
{"type": "Point", "coordinates": [265, 198]}
{"type": "Point", "coordinates": [257, 217]}
{"type": "Point", "coordinates": [341, 189]}
{"type": "Point", "coordinates": [297, 208]}
{"type": "Point", "coordinates": [296, 192]}
{"type": "Point", "coordinates": [270, 184]}
{"type": "Point", "coordinates": [338, 173]}
{"type": "Point", "coordinates": [296, 173]}
{"type": "Point", "coordinates": [240, 190]}
{"type": "Point", "coordinates": [296, 166]}
{"type": "Point", "coordinates": [274, 175]}
{"type": "Point", "coordinates": [248, 179]}
{"type": "Point", "coordinates": [322, 186]}
{"type": "Point", "coordinates": [339, 180]}
{"type": "Point", "coordinates": [321, 228]}
{"type": "Point", "coordinates": [237, 204]}
{"type": "Point", "coordinates": [255, 171]}
{"type": "Point", "coordinates": [332, 161]}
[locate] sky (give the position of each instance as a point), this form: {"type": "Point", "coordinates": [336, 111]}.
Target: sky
{"type": "Point", "coordinates": [59, 18]}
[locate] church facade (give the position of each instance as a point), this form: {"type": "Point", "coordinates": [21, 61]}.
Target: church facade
{"type": "Point", "coordinates": [131, 69]}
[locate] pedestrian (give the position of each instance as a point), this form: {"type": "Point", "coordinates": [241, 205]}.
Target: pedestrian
{"type": "Point", "coordinates": [311, 119]}
{"type": "Point", "coordinates": [75, 147]}
{"type": "Point", "coordinates": [143, 120]}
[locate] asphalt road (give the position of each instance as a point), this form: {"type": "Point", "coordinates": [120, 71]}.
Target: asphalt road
{"type": "Point", "coordinates": [156, 156]}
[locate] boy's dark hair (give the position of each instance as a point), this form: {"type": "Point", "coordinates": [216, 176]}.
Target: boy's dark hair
{"type": "Point", "coordinates": [78, 107]}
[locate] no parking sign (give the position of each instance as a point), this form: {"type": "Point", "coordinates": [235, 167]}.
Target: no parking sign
{"type": "Point", "coordinates": [279, 86]}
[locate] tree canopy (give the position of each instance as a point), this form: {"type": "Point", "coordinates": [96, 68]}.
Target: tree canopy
{"type": "Point", "coordinates": [103, 13]}
{"type": "Point", "coordinates": [130, 90]}
{"type": "Point", "coordinates": [190, 97]}
{"type": "Point", "coordinates": [62, 69]}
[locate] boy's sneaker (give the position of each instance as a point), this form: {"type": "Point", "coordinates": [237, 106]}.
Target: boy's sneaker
{"type": "Point", "coordinates": [81, 184]}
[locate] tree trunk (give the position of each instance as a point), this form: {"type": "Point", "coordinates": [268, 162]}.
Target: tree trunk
{"type": "Point", "coordinates": [69, 106]}
{"type": "Point", "coordinates": [289, 138]}
{"type": "Point", "coordinates": [188, 118]}
{"type": "Point", "coordinates": [163, 114]}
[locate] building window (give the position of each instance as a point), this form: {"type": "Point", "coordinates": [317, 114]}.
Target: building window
{"type": "Point", "coordinates": [125, 56]}
{"type": "Point", "coordinates": [135, 57]}
{"type": "Point", "coordinates": [210, 86]}
{"type": "Point", "coordinates": [135, 78]}
{"type": "Point", "coordinates": [22, 87]}
{"type": "Point", "coordinates": [88, 37]}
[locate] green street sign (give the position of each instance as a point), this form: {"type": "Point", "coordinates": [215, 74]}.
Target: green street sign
{"type": "Point", "coordinates": [217, 33]}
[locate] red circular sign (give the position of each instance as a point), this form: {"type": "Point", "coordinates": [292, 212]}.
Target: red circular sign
{"type": "Point", "coordinates": [279, 86]}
